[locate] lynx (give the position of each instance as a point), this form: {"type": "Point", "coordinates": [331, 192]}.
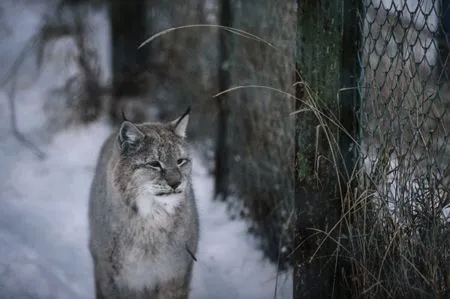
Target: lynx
{"type": "Point", "coordinates": [143, 217]}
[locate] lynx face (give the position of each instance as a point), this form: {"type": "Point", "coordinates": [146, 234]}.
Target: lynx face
{"type": "Point", "coordinates": [154, 167]}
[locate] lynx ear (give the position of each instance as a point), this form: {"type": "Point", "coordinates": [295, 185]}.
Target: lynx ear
{"type": "Point", "coordinates": [180, 124]}
{"type": "Point", "coordinates": [129, 136]}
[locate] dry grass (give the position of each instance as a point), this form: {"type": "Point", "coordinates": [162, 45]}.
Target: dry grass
{"type": "Point", "coordinates": [397, 224]}
{"type": "Point", "coordinates": [395, 227]}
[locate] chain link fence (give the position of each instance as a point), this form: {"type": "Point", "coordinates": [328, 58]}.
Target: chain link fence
{"type": "Point", "coordinates": [260, 131]}
{"type": "Point", "coordinates": [401, 212]}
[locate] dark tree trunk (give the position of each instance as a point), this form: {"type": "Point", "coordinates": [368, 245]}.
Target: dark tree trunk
{"type": "Point", "coordinates": [221, 155]}
{"type": "Point", "coordinates": [128, 30]}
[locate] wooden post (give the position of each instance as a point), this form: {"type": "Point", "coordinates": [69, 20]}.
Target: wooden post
{"type": "Point", "coordinates": [327, 60]}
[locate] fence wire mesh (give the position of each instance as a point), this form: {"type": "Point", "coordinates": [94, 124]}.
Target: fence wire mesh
{"type": "Point", "coordinates": [403, 205]}
{"type": "Point", "coordinates": [260, 131]}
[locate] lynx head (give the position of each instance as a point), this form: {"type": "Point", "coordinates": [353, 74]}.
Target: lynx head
{"type": "Point", "coordinates": [153, 168]}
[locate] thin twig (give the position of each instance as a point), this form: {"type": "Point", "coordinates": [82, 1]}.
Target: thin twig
{"type": "Point", "coordinates": [13, 118]}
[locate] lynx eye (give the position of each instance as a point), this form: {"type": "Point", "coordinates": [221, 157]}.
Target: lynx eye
{"type": "Point", "coordinates": [155, 164]}
{"type": "Point", "coordinates": [181, 162]}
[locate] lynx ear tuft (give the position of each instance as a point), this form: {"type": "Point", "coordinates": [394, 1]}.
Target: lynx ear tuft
{"type": "Point", "coordinates": [180, 124]}
{"type": "Point", "coordinates": [129, 136]}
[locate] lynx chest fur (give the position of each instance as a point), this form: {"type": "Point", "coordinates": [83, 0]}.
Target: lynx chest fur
{"type": "Point", "coordinates": [142, 213]}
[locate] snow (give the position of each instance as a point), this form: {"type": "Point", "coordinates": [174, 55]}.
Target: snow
{"type": "Point", "coordinates": [43, 228]}
{"type": "Point", "coordinates": [43, 210]}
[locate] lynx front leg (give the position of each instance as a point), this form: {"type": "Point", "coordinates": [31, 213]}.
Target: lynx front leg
{"type": "Point", "coordinates": [105, 285]}
{"type": "Point", "coordinates": [174, 289]}
{"type": "Point", "coordinates": [98, 292]}
{"type": "Point", "coordinates": [98, 280]}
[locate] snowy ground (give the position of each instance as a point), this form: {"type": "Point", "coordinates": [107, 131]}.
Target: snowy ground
{"type": "Point", "coordinates": [43, 228]}
{"type": "Point", "coordinates": [43, 213]}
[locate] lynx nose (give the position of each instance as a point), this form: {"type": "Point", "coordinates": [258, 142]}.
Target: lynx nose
{"type": "Point", "coordinates": [174, 184]}
{"type": "Point", "coordinates": [173, 177]}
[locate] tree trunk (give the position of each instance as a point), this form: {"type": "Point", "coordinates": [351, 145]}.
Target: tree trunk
{"type": "Point", "coordinates": [221, 155]}
{"type": "Point", "coordinates": [128, 30]}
